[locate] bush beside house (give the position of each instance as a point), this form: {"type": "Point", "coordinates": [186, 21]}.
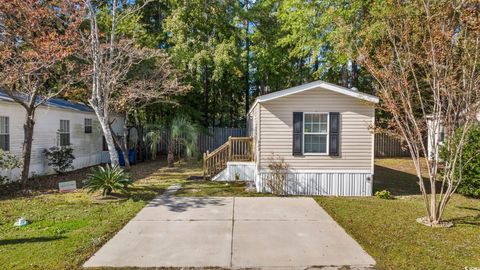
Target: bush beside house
{"type": "Point", "coordinates": [468, 167]}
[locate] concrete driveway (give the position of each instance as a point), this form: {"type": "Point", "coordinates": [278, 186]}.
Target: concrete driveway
{"type": "Point", "coordinates": [232, 233]}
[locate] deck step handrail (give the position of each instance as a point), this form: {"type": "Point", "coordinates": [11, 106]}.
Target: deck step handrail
{"type": "Point", "coordinates": [235, 149]}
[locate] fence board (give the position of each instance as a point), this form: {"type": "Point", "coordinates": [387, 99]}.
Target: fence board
{"type": "Point", "coordinates": [214, 137]}
{"type": "Point", "coordinates": [388, 146]}
{"type": "Point", "coordinates": [209, 140]}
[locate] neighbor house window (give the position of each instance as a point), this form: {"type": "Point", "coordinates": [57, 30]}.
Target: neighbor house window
{"type": "Point", "coordinates": [315, 130]}
{"type": "Point", "coordinates": [4, 133]}
{"type": "Point", "coordinates": [64, 133]}
{"type": "Point", "coordinates": [88, 125]}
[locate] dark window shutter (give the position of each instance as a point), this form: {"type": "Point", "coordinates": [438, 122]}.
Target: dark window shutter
{"type": "Point", "coordinates": [334, 135]}
{"type": "Point", "coordinates": [297, 133]}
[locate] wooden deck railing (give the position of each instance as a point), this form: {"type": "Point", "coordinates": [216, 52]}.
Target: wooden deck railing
{"type": "Point", "coordinates": [235, 149]}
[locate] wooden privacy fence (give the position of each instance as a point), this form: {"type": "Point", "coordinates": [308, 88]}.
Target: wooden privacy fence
{"type": "Point", "coordinates": [388, 146]}
{"type": "Point", "coordinates": [208, 140]}
{"type": "Point", "coordinates": [213, 138]}
{"type": "Point", "coordinates": [235, 149]}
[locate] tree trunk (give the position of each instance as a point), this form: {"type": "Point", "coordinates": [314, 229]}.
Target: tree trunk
{"type": "Point", "coordinates": [315, 68]}
{"type": "Point", "coordinates": [354, 73]}
{"type": "Point", "coordinates": [247, 65]}
{"type": "Point", "coordinates": [122, 147]}
{"type": "Point", "coordinates": [107, 133]}
{"type": "Point", "coordinates": [124, 143]}
{"type": "Point", "coordinates": [205, 95]}
{"type": "Point", "coordinates": [27, 143]}
{"type": "Point", "coordinates": [344, 76]}
{"type": "Point", "coordinates": [170, 155]}
{"type": "Point", "coordinates": [141, 142]}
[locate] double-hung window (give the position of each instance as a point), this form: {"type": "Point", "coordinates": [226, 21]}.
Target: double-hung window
{"type": "Point", "coordinates": [88, 125]}
{"type": "Point", "coordinates": [64, 133]}
{"type": "Point", "coordinates": [315, 130]}
{"type": "Point", "coordinates": [4, 133]}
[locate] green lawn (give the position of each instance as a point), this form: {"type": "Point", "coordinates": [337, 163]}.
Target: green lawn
{"type": "Point", "coordinates": [66, 229]}
{"type": "Point", "coordinates": [387, 229]}
{"type": "Point", "coordinates": [212, 188]}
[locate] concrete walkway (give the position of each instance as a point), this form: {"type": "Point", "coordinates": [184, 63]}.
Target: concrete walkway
{"type": "Point", "coordinates": [289, 233]}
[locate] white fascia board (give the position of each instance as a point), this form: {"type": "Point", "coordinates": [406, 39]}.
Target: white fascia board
{"type": "Point", "coordinates": [315, 85]}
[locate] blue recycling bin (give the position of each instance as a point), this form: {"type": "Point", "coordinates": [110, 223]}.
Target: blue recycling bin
{"type": "Point", "coordinates": [131, 156]}
{"type": "Point", "coordinates": [121, 160]}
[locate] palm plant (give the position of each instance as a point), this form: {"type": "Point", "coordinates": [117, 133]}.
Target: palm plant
{"type": "Point", "coordinates": [153, 138]}
{"type": "Point", "coordinates": [107, 179]}
{"type": "Point", "coordinates": [185, 133]}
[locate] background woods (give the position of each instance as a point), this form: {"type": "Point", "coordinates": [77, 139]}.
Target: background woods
{"type": "Point", "coordinates": [229, 52]}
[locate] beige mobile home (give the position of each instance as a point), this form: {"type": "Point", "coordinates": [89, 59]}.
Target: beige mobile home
{"type": "Point", "coordinates": [322, 131]}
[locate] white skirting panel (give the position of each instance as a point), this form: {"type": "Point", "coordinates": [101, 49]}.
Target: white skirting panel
{"type": "Point", "coordinates": [245, 171]}
{"type": "Point", "coordinates": [321, 183]}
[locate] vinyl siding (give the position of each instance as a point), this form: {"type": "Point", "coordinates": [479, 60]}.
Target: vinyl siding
{"type": "Point", "coordinates": [87, 146]}
{"type": "Point", "coordinates": [356, 118]}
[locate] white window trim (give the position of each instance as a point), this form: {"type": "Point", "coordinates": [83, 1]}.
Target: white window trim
{"type": "Point", "coordinates": [327, 134]}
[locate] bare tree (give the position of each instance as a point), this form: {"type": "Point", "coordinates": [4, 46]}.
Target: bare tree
{"type": "Point", "coordinates": [426, 63]}
{"type": "Point", "coordinates": [110, 55]}
{"type": "Point", "coordinates": [36, 40]}
{"type": "Point", "coordinates": [153, 80]}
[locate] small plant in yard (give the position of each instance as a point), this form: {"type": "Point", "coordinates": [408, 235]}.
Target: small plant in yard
{"type": "Point", "coordinates": [278, 175]}
{"type": "Point", "coordinates": [383, 194]}
{"type": "Point", "coordinates": [8, 162]}
{"type": "Point", "coordinates": [153, 139]}
{"type": "Point", "coordinates": [108, 179]}
{"type": "Point", "coordinates": [60, 158]}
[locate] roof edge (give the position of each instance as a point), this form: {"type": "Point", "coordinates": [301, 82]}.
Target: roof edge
{"type": "Point", "coordinates": [314, 85]}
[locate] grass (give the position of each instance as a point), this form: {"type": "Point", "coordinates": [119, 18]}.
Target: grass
{"type": "Point", "coordinates": [398, 176]}
{"type": "Point", "coordinates": [67, 228]}
{"type": "Point", "coordinates": [388, 231]}
{"type": "Point", "coordinates": [220, 189]}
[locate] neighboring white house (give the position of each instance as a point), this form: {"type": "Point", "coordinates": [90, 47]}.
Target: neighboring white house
{"type": "Point", "coordinates": [436, 135]}
{"type": "Point", "coordinates": [58, 122]}
{"type": "Point", "coordinates": [322, 131]}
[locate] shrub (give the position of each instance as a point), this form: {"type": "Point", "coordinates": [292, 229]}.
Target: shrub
{"type": "Point", "coordinates": [468, 167]}
{"type": "Point", "coordinates": [60, 158]}
{"type": "Point", "coordinates": [107, 179]}
{"type": "Point", "coordinates": [384, 194]}
{"type": "Point", "coordinates": [8, 162]}
{"type": "Point", "coordinates": [278, 175]}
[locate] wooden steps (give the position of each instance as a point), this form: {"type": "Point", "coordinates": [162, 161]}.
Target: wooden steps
{"type": "Point", "coordinates": [235, 149]}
